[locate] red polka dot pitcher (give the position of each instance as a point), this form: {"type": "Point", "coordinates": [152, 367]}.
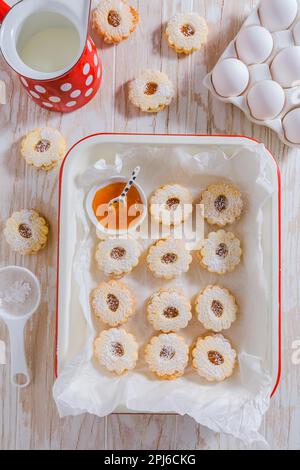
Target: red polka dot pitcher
{"type": "Point", "coordinates": [46, 42]}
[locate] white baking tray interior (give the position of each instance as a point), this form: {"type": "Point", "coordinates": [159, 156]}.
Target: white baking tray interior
{"type": "Point", "coordinates": [71, 325]}
{"type": "Point", "coordinates": [281, 64]}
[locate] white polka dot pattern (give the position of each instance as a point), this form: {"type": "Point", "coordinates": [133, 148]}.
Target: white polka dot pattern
{"type": "Point", "coordinates": [66, 87]}
{"type": "Point", "coordinates": [40, 89]}
{"type": "Point", "coordinates": [89, 92]}
{"type": "Point", "coordinates": [71, 104]}
{"type": "Point", "coordinates": [75, 93]}
{"type": "Point", "coordinates": [48, 105]}
{"type": "Point", "coordinates": [34, 94]}
{"type": "Point", "coordinates": [24, 81]}
{"type": "Point", "coordinates": [89, 80]}
{"type": "Point", "coordinates": [55, 99]}
{"type": "Point", "coordinates": [86, 69]}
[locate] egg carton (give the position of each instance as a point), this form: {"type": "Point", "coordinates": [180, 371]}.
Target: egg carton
{"type": "Point", "coordinates": [259, 71]}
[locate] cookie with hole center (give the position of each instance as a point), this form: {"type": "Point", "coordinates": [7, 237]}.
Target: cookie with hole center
{"type": "Point", "coordinates": [221, 252]}
{"type": "Point", "coordinates": [115, 20]}
{"type": "Point", "coordinates": [216, 308]}
{"type": "Point", "coordinates": [43, 148]}
{"type": "Point", "coordinates": [151, 91]}
{"type": "Point", "coordinates": [169, 310]}
{"type": "Point", "coordinates": [171, 205]}
{"type": "Point", "coordinates": [186, 32]}
{"type": "Point", "coordinates": [169, 258]}
{"type": "Point", "coordinates": [117, 257]}
{"type": "Point", "coordinates": [223, 204]}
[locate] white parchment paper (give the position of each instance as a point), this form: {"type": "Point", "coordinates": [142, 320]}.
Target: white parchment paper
{"type": "Point", "coordinates": [235, 406]}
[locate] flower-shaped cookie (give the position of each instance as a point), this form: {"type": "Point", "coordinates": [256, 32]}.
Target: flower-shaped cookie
{"type": "Point", "coordinates": [169, 258]}
{"type": "Point", "coordinates": [116, 350]}
{"type": "Point", "coordinates": [214, 358]}
{"type": "Point", "coordinates": [221, 252]}
{"type": "Point", "coordinates": [169, 310]}
{"type": "Point", "coordinates": [223, 204]}
{"type": "Point", "coordinates": [113, 303]}
{"type": "Point", "coordinates": [117, 257]}
{"type": "Point", "coordinates": [167, 356]}
{"type": "Point", "coordinates": [115, 20]}
{"type": "Point", "coordinates": [186, 32]}
{"type": "Point", "coordinates": [171, 204]}
{"type": "Point", "coordinates": [151, 91]}
{"type": "Point", "coordinates": [26, 232]}
{"type": "Point", "coordinates": [216, 308]}
{"type": "Point", "coordinates": [43, 148]}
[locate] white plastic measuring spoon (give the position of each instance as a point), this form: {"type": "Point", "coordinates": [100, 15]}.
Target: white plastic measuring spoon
{"type": "Point", "coordinates": [20, 297]}
{"type": "Point", "coordinates": [130, 183]}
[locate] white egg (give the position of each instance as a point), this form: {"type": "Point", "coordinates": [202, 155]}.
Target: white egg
{"type": "Point", "coordinates": [291, 124]}
{"type": "Point", "coordinates": [254, 45]}
{"type": "Point", "coordinates": [230, 78]}
{"type": "Point", "coordinates": [277, 15]}
{"type": "Point", "coordinates": [266, 100]}
{"type": "Point", "coordinates": [285, 68]}
{"type": "Point", "coordinates": [297, 33]}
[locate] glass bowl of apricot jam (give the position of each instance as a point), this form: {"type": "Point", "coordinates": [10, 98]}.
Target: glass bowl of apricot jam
{"type": "Point", "coordinates": [119, 218]}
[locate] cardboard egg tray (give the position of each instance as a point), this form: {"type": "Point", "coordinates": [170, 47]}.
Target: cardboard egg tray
{"type": "Point", "coordinates": [272, 15]}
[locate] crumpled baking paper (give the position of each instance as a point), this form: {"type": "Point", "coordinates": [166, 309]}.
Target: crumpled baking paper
{"type": "Point", "coordinates": [235, 406]}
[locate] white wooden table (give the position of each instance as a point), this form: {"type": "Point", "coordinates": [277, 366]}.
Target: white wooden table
{"type": "Point", "coordinates": [28, 418]}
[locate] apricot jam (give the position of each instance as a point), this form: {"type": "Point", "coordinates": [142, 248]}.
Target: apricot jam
{"type": "Point", "coordinates": [118, 216]}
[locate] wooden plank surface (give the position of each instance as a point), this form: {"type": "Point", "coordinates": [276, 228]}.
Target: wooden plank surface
{"type": "Point", "coordinates": [28, 418]}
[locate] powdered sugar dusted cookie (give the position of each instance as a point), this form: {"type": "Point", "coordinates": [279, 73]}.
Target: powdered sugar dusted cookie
{"type": "Point", "coordinates": [221, 252]}
{"type": "Point", "coordinates": [169, 310]}
{"type": "Point", "coordinates": [26, 232]}
{"type": "Point", "coordinates": [152, 91]}
{"type": "Point", "coordinates": [116, 350]}
{"type": "Point", "coordinates": [167, 356]}
{"type": "Point", "coordinates": [115, 20]}
{"type": "Point", "coordinates": [186, 32]}
{"type": "Point", "coordinates": [113, 303]}
{"type": "Point", "coordinates": [169, 258]}
{"type": "Point", "coordinates": [43, 148]}
{"type": "Point", "coordinates": [116, 257]}
{"type": "Point", "coordinates": [214, 358]}
{"type": "Point", "coordinates": [216, 308]}
{"type": "Point", "coordinates": [223, 204]}
{"type": "Point", "coordinates": [171, 204]}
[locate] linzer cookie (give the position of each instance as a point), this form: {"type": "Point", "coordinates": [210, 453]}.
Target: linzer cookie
{"type": "Point", "coordinates": [186, 32]}
{"type": "Point", "coordinates": [214, 358]}
{"type": "Point", "coordinates": [167, 356]}
{"type": "Point", "coordinates": [43, 148]}
{"type": "Point", "coordinates": [221, 252]}
{"type": "Point", "coordinates": [171, 204]}
{"type": "Point", "coordinates": [222, 203]}
{"type": "Point", "coordinates": [151, 91]}
{"type": "Point", "coordinates": [113, 303]}
{"type": "Point", "coordinates": [116, 350]}
{"type": "Point", "coordinates": [169, 310]}
{"type": "Point", "coordinates": [116, 257]}
{"type": "Point", "coordinates": [169, 258]}
{"type": "Point", "coordinates": [216, 308]}
{"type": "Point", "coordinates": [115, 20]}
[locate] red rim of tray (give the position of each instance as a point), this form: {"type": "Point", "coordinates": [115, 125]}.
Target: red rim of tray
{"type": "Point", "coordinates": [180, 135]}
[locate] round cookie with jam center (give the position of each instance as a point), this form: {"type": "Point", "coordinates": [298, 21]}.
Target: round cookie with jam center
{"type": "Point", "coordinates": [43, 148]}
{"type": "Point", "coordinates": [167, 355]}
{"type": "Point", "coordinates": [221, 252]}
{"type": "Point", "coordinates": [216, 308]}
{"type": "Point", "coordinates": [168, 259]}
{"type": "Point", "coordinates": [116, 350]}
{"type": "Point", "coordinates": [214, 358]}
{"type": "Point", "coordinates": [169, 310]}
{"type": "Point", "coordinates": [117, 257]}
{"type": "Point", "coordinates": [186, 32]}
{"type": "Point", "coordinates": [115, 20]}
{"type": "Point", "coordinates": [113, 303]}
{"type": "Point", "coordinates": [26, 232]}
{"type": "Point", "coordinates": [152, 91]}
{"type": "Point", "coordinates": [171, 204]}
{"type": "Point", "coordinates": [222, 203]}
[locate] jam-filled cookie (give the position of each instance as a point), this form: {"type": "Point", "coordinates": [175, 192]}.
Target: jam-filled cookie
{"type": "Point", "coordinates": [214, 358]}
{"type": "Point", "coordinates": [223, 204]}
{"type": "Point", "coordinates": [168, 258]}
{"type": "Point", "coordinates": [115, 20]}
{"type": "Point", "coordinates": [221, 252]}
{"type": "Point", "coordinates": [116, 350]}
{"type": "Point", "coordinates": [113, 303]}
{"type": "Point", "coordinates": [216, 308]}
{"type": "Point", "coordinates": [186, 32]}
{"type": "Point", "coordinates": [167, 355]}
{"type": "Point", "coordinates": [171, 204]}
{"type": "Point", "coordinates": [152, 91]}
{"type": "Point", "coordinates": [118, 257]}
{"type": "Point", "coordinates": [43, 148]}
{"type": "Point", "coordinates": [169, 310]}
{"type": "Point", "coordinates": [26, 232]}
